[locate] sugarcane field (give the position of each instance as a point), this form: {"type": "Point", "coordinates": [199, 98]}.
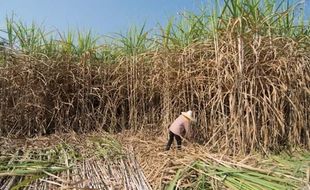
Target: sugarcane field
{"type": "Point", "coordinates": [211, 100]}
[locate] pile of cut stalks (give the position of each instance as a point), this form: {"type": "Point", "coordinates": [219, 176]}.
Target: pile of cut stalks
{"type": "Point", "coordinates": [196, 167]}
{"type": "Point", "coordinates": [135, 161]}
{"type": "Point", "coordinates": [85, 162]}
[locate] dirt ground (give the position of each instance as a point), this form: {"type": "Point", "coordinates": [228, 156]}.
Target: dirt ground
{"type": "Point", "coordinates": [160, 166]}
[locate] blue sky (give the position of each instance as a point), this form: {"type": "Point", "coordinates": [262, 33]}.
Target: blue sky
{"type": "Point", "coordinates": [102, 16]}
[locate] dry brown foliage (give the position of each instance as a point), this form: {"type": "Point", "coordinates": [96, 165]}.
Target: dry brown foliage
{"type": "Point", "coordinates": [247, 93]}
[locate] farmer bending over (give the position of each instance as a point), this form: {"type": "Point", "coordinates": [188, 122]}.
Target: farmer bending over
{"type": "Point", "coordinates": [179, 128]}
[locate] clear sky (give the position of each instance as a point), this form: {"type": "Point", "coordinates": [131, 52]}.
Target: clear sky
{"type": "Point", "coordinates": [101, 16]}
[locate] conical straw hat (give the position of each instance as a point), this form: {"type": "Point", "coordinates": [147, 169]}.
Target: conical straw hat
{"type": "Point", "coordinates": [189, 115]}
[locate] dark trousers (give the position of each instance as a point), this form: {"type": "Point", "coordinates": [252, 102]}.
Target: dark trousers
{"type": "Point", "coordinates": [177, 138]}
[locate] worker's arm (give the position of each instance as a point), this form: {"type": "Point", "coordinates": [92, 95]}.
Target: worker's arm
{"type": "Point", "coordinates": [188, 130]}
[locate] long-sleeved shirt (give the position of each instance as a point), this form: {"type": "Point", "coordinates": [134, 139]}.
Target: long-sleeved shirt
{"type": "Point", "coordinates": [181, 126]}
